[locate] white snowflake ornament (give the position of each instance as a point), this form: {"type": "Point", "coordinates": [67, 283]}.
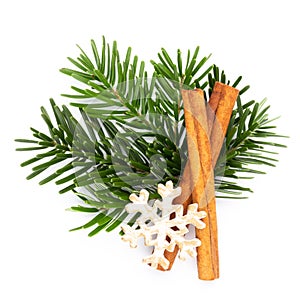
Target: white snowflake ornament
{"type": "Point", "coordinates": [158, 229]}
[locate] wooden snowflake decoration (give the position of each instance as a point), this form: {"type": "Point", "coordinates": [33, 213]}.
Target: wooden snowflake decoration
{"type": "Point", "coordinates": [157, 227]}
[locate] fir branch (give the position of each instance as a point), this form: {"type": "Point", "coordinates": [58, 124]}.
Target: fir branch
{"type": "Point", "coordinates": [132, 119]}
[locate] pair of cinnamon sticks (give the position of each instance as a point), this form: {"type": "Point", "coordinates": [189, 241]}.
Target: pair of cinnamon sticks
{"type": "Point", "coordinates": [206, 127]}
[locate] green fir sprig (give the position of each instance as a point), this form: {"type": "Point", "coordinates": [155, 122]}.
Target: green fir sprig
{"type": "Point", "coordinates": [129, 117]}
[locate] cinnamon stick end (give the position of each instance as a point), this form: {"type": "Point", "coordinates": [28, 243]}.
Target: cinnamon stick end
{"type": "Point", "coordinates": [219, 86]}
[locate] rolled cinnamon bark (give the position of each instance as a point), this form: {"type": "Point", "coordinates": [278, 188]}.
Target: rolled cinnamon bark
{"type": "Point", "coordinates": [219, 111]}
{"type": "Point", "coordinates": [203, 181]}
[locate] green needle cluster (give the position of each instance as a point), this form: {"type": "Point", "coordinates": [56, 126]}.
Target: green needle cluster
{"type": "Point", "coordinates": [131, 133]}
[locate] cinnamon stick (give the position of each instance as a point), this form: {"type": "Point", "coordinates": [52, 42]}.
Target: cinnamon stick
{"type": "Point", "coordinates": [203, 181]}
{"type": "Point", "coordinates": [222, 100]}
{"type": "Point", "coordinates": [219, 111]}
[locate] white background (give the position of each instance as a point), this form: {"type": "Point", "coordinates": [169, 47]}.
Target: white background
{"type": "Point", "coordinates": [259, 237]}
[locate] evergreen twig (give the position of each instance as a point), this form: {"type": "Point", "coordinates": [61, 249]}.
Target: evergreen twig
{"type": "Point", "coordinates": [107, 156]}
